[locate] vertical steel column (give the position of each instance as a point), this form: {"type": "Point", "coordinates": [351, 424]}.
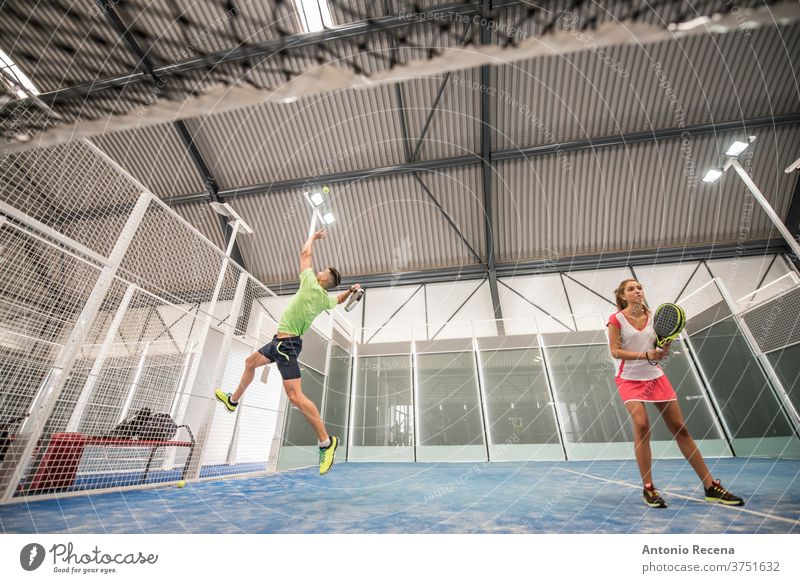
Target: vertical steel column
{"type": "Point", "coordinates": [487, 169]}
{"type": "Point", "coordinates": [206, 327]}
{"type": "Point", "coordinates": [414, 390]}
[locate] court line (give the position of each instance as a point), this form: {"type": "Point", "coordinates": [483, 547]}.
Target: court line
{"type": "Point", "coordinates": [673, 494]}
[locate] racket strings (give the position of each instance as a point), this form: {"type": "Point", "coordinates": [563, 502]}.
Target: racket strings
{"type": "Point", "coordinates": [667, 320]}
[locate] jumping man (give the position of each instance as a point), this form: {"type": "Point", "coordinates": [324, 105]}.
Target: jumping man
{"type": "Point", "coordinates": [308, 303]}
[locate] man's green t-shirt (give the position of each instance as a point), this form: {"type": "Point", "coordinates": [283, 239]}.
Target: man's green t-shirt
{"type": "Point", "coordinates": [308, 303]}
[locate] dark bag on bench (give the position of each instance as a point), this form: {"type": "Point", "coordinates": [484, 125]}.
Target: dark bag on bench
{"type": "Point", "coordinates": [146, 426]}
{"type": "Point", "coordinates": [161, 427]}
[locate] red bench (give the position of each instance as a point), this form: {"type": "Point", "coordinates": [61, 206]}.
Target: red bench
{"type": "Point", "coordinates": [59, 464]}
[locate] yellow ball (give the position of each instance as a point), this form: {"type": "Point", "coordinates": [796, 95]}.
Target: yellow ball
{"type": "Point", "coordinates": [180, 484]}
{"type": "Point", "coordinates": [325, 189]}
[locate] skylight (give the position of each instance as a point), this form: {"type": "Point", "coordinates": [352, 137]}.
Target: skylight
{"type": "Point", "coordinates": [315, 15]}
{"type": "Point", "coordinates": [13, 73]}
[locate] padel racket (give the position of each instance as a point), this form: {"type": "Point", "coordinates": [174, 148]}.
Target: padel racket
{"type": "Point", "coordinates": [668, 323]}
{"type": "Point", "coordinates": [355, 297]}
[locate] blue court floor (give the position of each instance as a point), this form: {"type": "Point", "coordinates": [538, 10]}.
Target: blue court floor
{"type": "Point", "coordinates": [532, 497]}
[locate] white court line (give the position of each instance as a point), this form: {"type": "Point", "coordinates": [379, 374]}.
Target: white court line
{"type": "Point", "coordinates": [738, 508]}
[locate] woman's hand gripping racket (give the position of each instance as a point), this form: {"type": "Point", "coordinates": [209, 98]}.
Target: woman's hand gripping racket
{"type": "Point", "coordinates": [668, 323]}
{"type": "Point", "coordinates": [355, 296]}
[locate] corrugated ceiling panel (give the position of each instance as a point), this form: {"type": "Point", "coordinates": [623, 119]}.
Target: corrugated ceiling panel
{"type": "Point", "coordinates": [137, 97]}
{"type": "Point", "coordinates": [58, 44]}
{"type": "Point", "coordinates": [700, 79]}
{"type": "Point", "coordinates": [203, 218]}
{"type": "Point", "coordinates": [344, 11]}
{"type": "Point", "coordinates": [455, 125]}
{"type": "Point", "coordinates": [383, 225]}
{"type": "Point", "coordinates": [172, 32]}
{"type": "Point", "coordinates": [640, 197]}
{"type": "Point", "coordinates": [176, 30]}
{"type": "Point", "coordinates": [280, 223]}
{"type": "Point", "coordinates": [156, 156]}
{"type": "Point", "coordinates": [329, 133]}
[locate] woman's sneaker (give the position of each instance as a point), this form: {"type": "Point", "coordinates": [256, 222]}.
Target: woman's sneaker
{"type": "Point", "coordinates": [652, 498]}
{"type": "Point", "coordinates": [716, 493]}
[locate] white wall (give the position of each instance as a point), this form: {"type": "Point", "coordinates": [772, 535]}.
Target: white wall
{"type": "Point", "coordinates": [742, 275]}
{"type": "Point", "coordinates": [422, 311]}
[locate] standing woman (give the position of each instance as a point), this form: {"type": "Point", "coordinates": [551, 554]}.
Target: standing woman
{"type": "Point", "coordinates": [631, 340]}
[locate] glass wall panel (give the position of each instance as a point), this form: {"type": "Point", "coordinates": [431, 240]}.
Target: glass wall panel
{"type": "Point", "coordinates": [299, 448]}
{"type": "Point", "coordinates": [697, 412]}
{"type": "Point", "coordinates": [383, 416]}
{"type": "Point", "coordinates": [749, 408]}
{"type": "Point", "coordinates": [337, 396]}
{"type": "Point", "coordinates": [588, 402]}
{"type": "Point", "coordinates": [449, 405]}
{"type": "Point", "coordinates": [519, 408]}
{"type": "Point", "coordinates": [298, 429]}
{"type": "Point", "coordinates": [786, 363]}
{"type": "Point", "coordinates": [595, 421]}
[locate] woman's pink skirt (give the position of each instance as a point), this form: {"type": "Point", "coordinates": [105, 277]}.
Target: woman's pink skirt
{"type": "Point", "coordinates": [653, 390]}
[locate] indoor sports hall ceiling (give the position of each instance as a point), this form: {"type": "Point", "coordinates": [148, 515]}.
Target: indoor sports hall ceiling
{"type": "Point", "coordinates": [515, 164]}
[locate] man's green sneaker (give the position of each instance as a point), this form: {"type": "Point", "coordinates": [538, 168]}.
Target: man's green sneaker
{"type": "Point", "coordinates": [226, 400]}
{"type": "Point", "coordinates": [327, 455]}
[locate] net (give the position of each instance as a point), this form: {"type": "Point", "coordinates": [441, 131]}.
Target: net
{"type": "Point", "coordinates": [237, 54]}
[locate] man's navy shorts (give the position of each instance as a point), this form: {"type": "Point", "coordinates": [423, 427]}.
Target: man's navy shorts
{"type": "Point", "coordinates": [284, 352]}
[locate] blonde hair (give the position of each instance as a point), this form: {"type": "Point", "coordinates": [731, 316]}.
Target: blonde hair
{"type": "Point", "coordinates": [620, 297]}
